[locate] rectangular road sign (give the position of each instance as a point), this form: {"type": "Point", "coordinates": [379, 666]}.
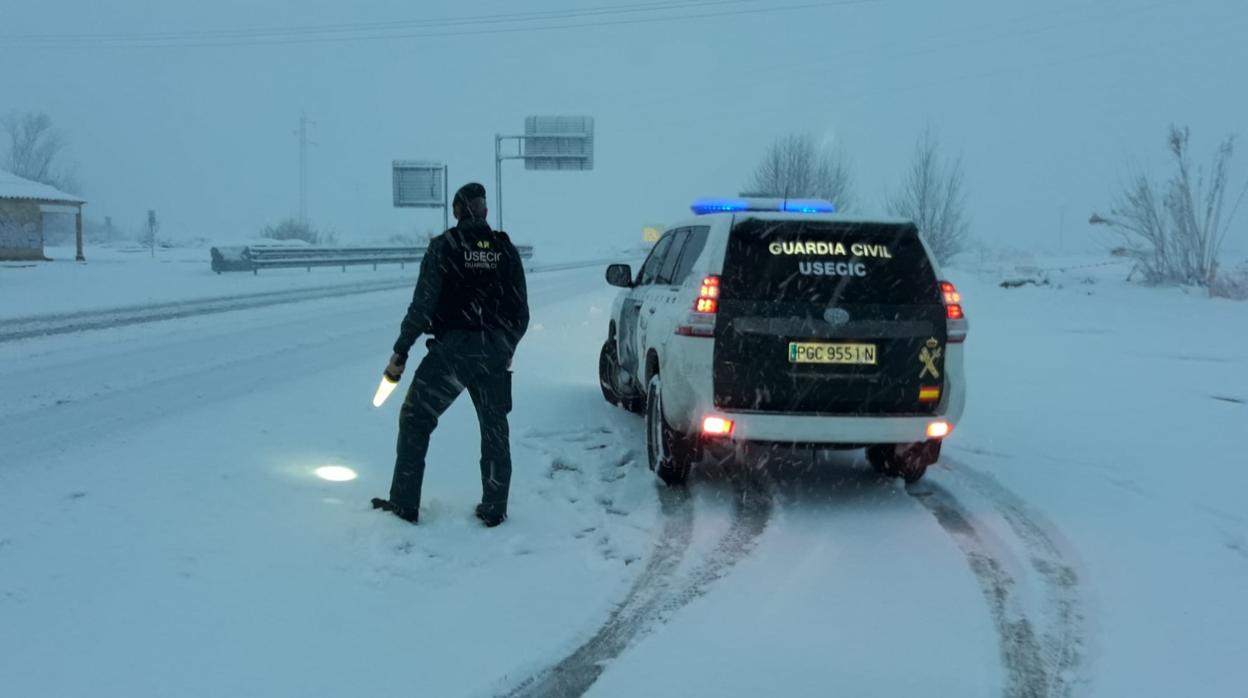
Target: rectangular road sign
{"type": "Point", "coordinates": [558, 143]}
{"type": "Point", "coordinates": [419, 184]}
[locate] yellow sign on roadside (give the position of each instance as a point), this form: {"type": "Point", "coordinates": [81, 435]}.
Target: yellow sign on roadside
{"type": "Point", "coordinates": [651, 233]}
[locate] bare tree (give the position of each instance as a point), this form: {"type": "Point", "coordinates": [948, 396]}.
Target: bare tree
{"type": "Point", "coordinates": [1175, 231]}
{"type": "Point", "coordinates": [932, 196]}
{"type": "Point", "coordinates": [34, 148]}
{"type": "Point", "coordinates": [797, 166]}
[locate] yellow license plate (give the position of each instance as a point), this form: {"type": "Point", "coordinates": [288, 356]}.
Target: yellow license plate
{"type": "Point", "coordinates": [826, 353]}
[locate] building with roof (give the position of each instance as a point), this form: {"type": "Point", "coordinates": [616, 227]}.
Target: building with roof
{"type": "Point", "coordinates": [23, 205]}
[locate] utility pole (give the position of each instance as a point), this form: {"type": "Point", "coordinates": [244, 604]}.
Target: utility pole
{"type": "Point", "coordinates": [304, 142]}
{"type": "Point", "coordinates": [152, 228]}
{"type": "Point", "coordinates": [498, 180]}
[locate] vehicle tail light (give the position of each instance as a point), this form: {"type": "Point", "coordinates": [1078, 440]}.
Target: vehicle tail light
{"type": "Point", "coordinates": [939, 430]}
{"type": "Point", "coordinates": [717, 426]}
{"type": "Point", "coordinates": [708, 296]}
{"type": "Point", "coordinates": [701, 321]}
{"type": "Point", "coordinates": [956, 324]}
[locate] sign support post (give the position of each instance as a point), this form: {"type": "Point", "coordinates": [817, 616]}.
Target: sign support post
{"type": "Point", "coordinates": [548, 143]}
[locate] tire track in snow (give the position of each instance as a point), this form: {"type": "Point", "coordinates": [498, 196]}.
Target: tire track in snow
{"type": "Point", "coordinates": [574, 674]}
{"type": "Point", "coordinates": [1040, 660]}
{"type": "Point", "coordinates": [658, 592]}
{"type": "Point", "coordinates": [1020, 650]}
{"type": "Point", "coordinates": [1065, 643]}
{"type": "Point", "coordinates": [753, 502]}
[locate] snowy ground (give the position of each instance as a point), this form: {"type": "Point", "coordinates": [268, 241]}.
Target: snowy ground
{"type": "Point", "coordinates": [162, 533]}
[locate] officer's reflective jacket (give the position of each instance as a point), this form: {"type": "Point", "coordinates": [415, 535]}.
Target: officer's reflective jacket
{"type": "Point", "coordinates": [471, 278]}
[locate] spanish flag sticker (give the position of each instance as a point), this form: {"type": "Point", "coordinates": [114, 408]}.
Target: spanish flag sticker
{"type": "Point", "coordinates": [929, 393]}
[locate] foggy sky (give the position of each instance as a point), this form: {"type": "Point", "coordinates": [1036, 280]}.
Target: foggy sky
{"type": "Point", "coordinates": [1049, 105]}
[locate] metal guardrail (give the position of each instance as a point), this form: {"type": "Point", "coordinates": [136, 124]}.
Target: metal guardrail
{"type": "Point", "coordinates": [253, 258]}
{"type": "Point", "coordinates": [28, 327]}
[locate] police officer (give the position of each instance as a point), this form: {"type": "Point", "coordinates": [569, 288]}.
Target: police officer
{"type": "Point", "coordinates": [471, 298]}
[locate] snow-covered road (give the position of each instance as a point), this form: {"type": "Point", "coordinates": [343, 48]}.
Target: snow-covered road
{"type": "Point", "coordinates": [162, 532]}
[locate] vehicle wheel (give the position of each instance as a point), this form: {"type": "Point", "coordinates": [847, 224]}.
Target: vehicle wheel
{"type": "Point", "coordinates": [608, 373]}
{"type": "Point", "coordinates": [908, 463]}
{"type": "Point", "coordinates": [911, 473]}
{"type": "Point", "coordinates": [608, 367]}
{"type": "Point", "coordinates": [914, 461]}
{"type": "Point", "coordinates": [667, 449]}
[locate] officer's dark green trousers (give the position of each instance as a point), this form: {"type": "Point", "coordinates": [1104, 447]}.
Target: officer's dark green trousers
{"type": "Point", "coordinates": [477, 361]}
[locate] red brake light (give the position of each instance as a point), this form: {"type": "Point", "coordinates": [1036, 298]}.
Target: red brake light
{"type": "Point", "coordinates": [708, 296]}
{"type": "Point", "coordinates": [951, 292]}
{"type": "Point", "coordinates": [956, 318]}
{"type": "Point", "coordinates": [701, 322]}
{"type": "Point", "coordinates": [939, 430]}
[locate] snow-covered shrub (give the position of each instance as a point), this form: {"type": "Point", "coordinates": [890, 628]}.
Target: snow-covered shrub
{"type": "Point", "coordinates": [294, 229]}
{"type": "Point", "coordinates": [1175, 231]}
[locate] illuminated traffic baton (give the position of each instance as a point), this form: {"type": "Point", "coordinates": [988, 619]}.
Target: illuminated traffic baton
{"type": "Point", "coordinates": [385, 387]}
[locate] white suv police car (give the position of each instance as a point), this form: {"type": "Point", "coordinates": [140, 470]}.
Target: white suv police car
{"type": "Point", "coordinates": [774, 322]}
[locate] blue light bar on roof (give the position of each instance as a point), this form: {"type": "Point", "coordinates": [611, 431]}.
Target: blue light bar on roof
{"type": "Point", "coordinates": [708, 206]}
{"type": "Point", "coordinates": [807, 206]}
{"type": "Point", "coordinates": [702, 207]}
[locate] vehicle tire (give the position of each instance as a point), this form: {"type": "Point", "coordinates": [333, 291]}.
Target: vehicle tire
{"type": "Point", "coordinates": [914, 461]}
{"type": "Point", "coordinates": [608, 368]}
{"type": "Point", "coordinates": [666, 449]}
{"type": "Point", "coordinates": [909, 464]}
{"type": "Point", "coordinates": [608, 373]}
{"type": "Point", "coordinates": [911, 473]}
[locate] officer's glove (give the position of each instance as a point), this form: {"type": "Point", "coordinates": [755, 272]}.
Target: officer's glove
{"type": "Point", "coordinates": [394, 370]}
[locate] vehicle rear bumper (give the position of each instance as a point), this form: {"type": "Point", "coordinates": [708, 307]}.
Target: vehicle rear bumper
{"type": "Point", "coordinates": [829, 431]}
{"type": "Point", "coordinates": [688, 397]}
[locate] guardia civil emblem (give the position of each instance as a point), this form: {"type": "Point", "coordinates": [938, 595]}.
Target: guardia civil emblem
{"type": "Point", "coordinates": [928, 356]}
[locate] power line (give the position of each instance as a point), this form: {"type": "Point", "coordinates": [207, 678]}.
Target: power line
{"type": "Point", "coordinates": [286, 37]}
{"type": "Point", "coordinates": [262, 32]}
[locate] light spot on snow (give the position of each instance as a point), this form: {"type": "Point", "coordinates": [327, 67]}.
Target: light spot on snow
{"type": "Point", "coordinates": [335, 473]}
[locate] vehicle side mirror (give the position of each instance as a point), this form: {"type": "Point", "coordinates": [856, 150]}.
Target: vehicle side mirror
{"type": "Point", "coordinates": [620, 275]}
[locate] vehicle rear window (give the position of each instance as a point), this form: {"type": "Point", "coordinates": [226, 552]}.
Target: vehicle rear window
{"type": "Point", "coordinates": [686, 246]}
{"type": "Point", "coordinates": [668, 268]}
{"type": "Point", "coordinates": [693, 248]}
{"type": "Point", "coordinates": [651, 268]}
{"type": "Point", "coordinates": [827, 262]}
